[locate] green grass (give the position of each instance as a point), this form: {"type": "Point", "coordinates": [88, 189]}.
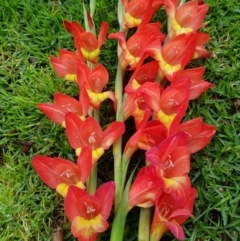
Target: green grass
{"type": "Point", "coordinates": [30, 31]}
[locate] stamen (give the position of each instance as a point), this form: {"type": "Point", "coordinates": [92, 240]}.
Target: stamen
{"type": "Point", "coordinates": [90, 208]}
{"type": "Point", "coordinates": [91, 138]}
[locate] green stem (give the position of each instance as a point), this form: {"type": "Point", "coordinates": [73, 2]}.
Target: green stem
{"type": "Point", "coordinates": [92, 181]}
{"type": "Point", "coordinates": [144, 224]}
{"type": "Point", "coordinates": [118, 227]}
{"type": "Point", "coordinates": [117, 232]}
{"type": "Point", "coordinates": [117, 146]}
{"type": "Point", "coordinates": [124, 168]}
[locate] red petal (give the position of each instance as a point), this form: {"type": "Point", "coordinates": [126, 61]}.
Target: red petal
{"type": "Point", "coordinates": [105, 194]}
{"type": "Point", "coordinates": [53, 112]}
{"type": "Point", "coordinates": [83, 72]}
{"type": "Point", "coordinates": [91, 133]}
{"type": "Point", "coordinates": [73, 129]}
{"type": "Point", "coordinates": [174, 96]}
{"type": "Point", "coordinates": [84, 163]}
{"type": "Point", "coordinates": [102, 34]}
{"type": "Point", "coordinates": [179, 188]}
{"type": "Point", "coordinates": [84, 98]}
{"type": "Point", "coordinates": [197, 89]}
{"type": "Point", "coordinates": [121, 38]}
{"type": "Point", "coordinates": [176, 229]}
{"type": "Point", "coordinates": [68, 104]}
{"type": "Point", "coordinates": [87, 41]}
{"type": "Point", "coordinates": [73, 27]}
{"type": "Point", "coordinates": [114, 131]}
{"type": "Point", "coordinates": [146, 189]}
{"type": "Point", "coordinates": [71, 201]}
{"type": "Point", "coordinates": [97, 79]}
{"type": "Point", "coordinates": [151, 93]}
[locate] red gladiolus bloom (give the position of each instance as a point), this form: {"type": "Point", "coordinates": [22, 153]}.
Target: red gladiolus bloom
{"type": "Point", "coordinates": [132, 50]}
{"type": "Point", "coordinates": [91, 84]}
{"type": "Point", "coordinates": [146, 73]}
{"type": "Point", "coordinates": [169, 215]}
{"type": "Point", "coordinates": [89, 133]}
{"type": "Point", "coordinates": [187, 18]}
{"type": "Point", "coordinates": [174, 55]}
{"type": "Point", "coordinates": [169, 105]}
{"type": "Point", "coordinates": [198, 134]}
{"type": "Point", "coordinates": [172, 158]}
{"type": "Point", "coordinates": [197, 85]}
{"type": "Point", "coordinates": [137, 12]}
{"type": "Point", "coordinates": [148, 134]}
{"type": "Point", "coordinates": [65, 65]}
{"type": "Point", "coordinates": [63, 104]}
{"type": "Point", "coordinates": [89, 213]}
{"type": "Point", "coordinates": [135, 106]}
{"type": "Point", "coordinates": [146, 188]}
{"type": "Point", "coordinates": [59, 173]}
{"type": "Point", "coordinates": [87, 42]}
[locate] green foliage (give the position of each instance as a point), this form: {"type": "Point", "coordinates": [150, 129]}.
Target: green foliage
{"type": "Point", "coordinates": [33, 30]}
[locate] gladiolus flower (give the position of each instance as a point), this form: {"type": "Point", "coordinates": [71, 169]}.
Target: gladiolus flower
{"type": "Point", "coordinates": [65, 65]}
{"type": "Point", "coordinates": [63, 104]}
{"type": "Point", "coordinates": [198, 134]}
{"type": "Point", "coordinates": [89, 133]}
{"type": "Point", "coordinates": [174, 55]}
{"type": "Point", "coordinates": [146, 188]}
{"type": "Point", "coordinates": [146, 73]}
{"type": "Point", "coordinates": [89, 213]}
{"type": "Point", "coordinates": [169, 105]}
{"type": "Point", "coordinates": [137, 12]}
{"type": "Point", "coordinates": [91, 84]}
{"type": "Point", "coordinates": [148, 134]}
{"type": "Point", "coordinates": [135, 106]}
{"type": "Point", "coordinates": [187, 18]}
{"type": "Point", "coordinates": [87, 42]}
{"type": "Point", "coordinates": [132, 50]}
{"type": "Point", "coordinates": [172, 158]}
{"type": "Point", "coordinates": [59, 173]}
{"type": "Point", "coordinates": [169, 215]}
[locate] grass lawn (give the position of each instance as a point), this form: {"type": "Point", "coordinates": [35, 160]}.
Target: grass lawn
{"type": "Point", "coordinates": [30, 31]}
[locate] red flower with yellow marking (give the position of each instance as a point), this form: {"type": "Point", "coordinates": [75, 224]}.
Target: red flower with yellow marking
{"type": "Point", "coordinates": [59, 173]}
{"type": "Point", "coordinates": [85, 42]}
{"type": "Point", "coordinates": [89, 133]}
{"type": "Point", "coordinates": [89, 213]}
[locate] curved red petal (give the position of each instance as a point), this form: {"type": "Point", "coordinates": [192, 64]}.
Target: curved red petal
{"type": "Point", "coordinates": [105, 194]}
{"type": "Point", "coordinates": [97, 79]}
{"type": "Point", "coordinates": [114, 131]}
{"type": "Point", "coordinates": [71, 202]}
{"type": "Point", "coordinates": [91, 133]}
{"type": "Point", "coordinates": [73, 130]}
{"type": "Point", "coordinates": [102, 34]}
{"type": "Point", "coordinates": [84, 162]}
{"type": "Point", "coordinates": [53, 112]}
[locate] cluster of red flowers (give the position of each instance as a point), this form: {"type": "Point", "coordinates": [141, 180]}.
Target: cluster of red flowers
{"type": "Point", "coordinates": [157, 110]}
